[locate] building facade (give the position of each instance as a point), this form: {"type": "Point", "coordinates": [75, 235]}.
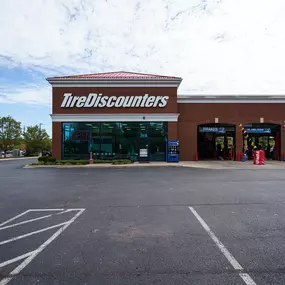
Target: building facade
{"type": "Point", "coordinates": [118, 114]}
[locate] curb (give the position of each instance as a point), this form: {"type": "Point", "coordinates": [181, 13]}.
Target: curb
{"type": "Point", "coordinates": [145, 165]}
{"type": "Point", "coordinates": [17, 158]}
{"type": "Point", "coordinates": [27, 166]}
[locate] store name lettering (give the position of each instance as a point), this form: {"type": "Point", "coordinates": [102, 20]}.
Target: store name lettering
{"type": "Point", "coordinates": [94, 100]}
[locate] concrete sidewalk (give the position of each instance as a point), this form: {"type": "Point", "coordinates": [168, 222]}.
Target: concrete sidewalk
{"type": "Point", "coordinates": [17, 158]}
{"type": "Point", "coordinates": [234, 165]}
{"type": "Point", "coordinates": [191, 164]}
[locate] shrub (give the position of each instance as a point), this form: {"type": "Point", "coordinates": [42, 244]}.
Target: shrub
{"type": "Point", "coordinates": [43, 159]}
{"type": "Point", "coordinates": [70, 162]}
{"type": "Point", "coordinates": [51, 159]}
{"type": "Point", "coordinates": [122, 161]}
{"type": "Point", "coordinates": [102, 161]}
{"type": "Point", "coordinates": [47, 159]}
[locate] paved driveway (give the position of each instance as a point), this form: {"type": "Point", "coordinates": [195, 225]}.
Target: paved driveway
{"type": "Point", "coordinates": [141, 226]}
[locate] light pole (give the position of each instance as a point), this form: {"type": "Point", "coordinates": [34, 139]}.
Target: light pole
{"type": "Point", "coordinates": [40, 132]}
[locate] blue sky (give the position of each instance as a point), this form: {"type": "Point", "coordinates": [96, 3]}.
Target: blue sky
{"type": "Point", "coordinates": [218, 46]}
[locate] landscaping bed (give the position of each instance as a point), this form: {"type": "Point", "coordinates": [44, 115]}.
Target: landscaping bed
{"type": "Point", "coordinates": [46, 160]}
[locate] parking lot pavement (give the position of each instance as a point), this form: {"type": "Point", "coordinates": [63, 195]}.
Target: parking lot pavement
{"type": "Point", "coordinates": [142, 226]}
{"type": "Point", "coordinates": [21, 237]}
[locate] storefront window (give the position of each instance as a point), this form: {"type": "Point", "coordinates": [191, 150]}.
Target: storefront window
{"type": "Point", "coordinates": [157, 133]}
{"type": "Point", "coordinates": [114, 140]}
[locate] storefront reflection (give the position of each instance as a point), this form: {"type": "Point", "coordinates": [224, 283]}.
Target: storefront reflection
{"type": "Point", "coordinates": [110, 140]}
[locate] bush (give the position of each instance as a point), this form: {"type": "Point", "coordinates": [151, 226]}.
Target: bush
{"type": "Point", "coordinates": [122, 161]}
{"type": "Point", "coordinates": [43, 159]}
{"type": "Point", "coordinates": [70, 162]}
{"type": "Point", "coordinates": [102, 161]}
{"type": "Point", "coordinates": [51, 159]}
{"type": "Point", "coordinates": [47, 159]}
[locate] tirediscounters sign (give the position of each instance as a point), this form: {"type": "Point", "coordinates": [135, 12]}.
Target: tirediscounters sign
{"type": "Point", "coordinates": [94, 100]}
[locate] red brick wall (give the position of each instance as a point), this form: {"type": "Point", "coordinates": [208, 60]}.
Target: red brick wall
{"type": "Point", "coordinates": [192, 115]}
{"type": "Point", "coordinates": [172, 131]}
{"type": "Point", "coordinates": [56, 140]}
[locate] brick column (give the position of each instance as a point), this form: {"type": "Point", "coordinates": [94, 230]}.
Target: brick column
{"type": "Point", "coordinates": [56, 140]}
{"type": "Point", "coordinates": [239, 141]}
{"type": "Point", "coordinates": [172, 131]}
{"type": "Point", "coordinates": [282, 142]}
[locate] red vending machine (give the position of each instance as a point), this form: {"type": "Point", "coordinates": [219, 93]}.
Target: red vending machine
{"type": "Point", "coordinates": [258, 157]}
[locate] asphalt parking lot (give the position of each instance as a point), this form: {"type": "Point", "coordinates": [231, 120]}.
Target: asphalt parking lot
{"type": "Point", "coordinates": [141, 226]}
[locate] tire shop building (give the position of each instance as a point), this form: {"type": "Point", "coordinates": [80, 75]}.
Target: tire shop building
{"type": "Point", "coordinates": [133, 115]}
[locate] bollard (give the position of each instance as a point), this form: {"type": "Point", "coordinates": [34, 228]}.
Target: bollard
{"type": "Point", "coordinates": [243, 157]}
{"type": "Point", "coordinates": [238, 156]}
{"type": "Point", "coordinates": [91, 161]}
{"type": "Point", "coordinates": [196, 158]}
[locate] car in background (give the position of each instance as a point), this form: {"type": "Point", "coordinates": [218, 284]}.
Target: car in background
{"type": "Point", "coordinates": [46, 153]}
{"type": "Point", "coordinates": [9, 153]}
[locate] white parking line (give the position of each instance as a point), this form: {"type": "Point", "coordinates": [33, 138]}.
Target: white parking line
{"type": "Point", "coordinates": [16, 259]}
{"type": "Point", "coordinates": [14, 218]}
{"type": "Point", "coordinates": [25, 222]}
{"type": "Point", "coordinates": [32, 233]}
{"type": "Point", "coordinates": [31, 255]}
{"type": "Point", "coordinates": [35, 219]}
{"type": "Point", "coordinates": [45, 210]}
{"type": "Point", "coordinates": [245, 277]}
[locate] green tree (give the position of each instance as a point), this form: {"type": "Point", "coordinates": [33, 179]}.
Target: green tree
{"type": "Point", "coordinates": [10, 133]}
{"type": "Point", "coordinates": [36, 140]}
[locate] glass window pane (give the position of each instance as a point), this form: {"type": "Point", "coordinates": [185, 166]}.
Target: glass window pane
{"type": "Point", "coordinates": [127, 140]}
{"type": "Point", "coordinates": [76, 141]}
{"type": "Point", "coordinates": [96, 140]}
{"type": "Point", "coordinates": [109, 140]}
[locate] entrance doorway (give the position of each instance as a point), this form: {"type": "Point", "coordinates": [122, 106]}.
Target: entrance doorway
{"type": "Point", "coordinates": [263, 136]}
{"type": "Point", "coordinates": [152, 140]}
{"type": "Point", "coordinates": [216, 142]}
{"type": "Point", "coordinates": [143, 150]}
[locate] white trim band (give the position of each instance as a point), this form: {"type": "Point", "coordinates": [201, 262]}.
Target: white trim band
{"type": "Point", "coordinates": [115, 118]}
{"type": "Point", "coordinates": [218, 101]}
{"type": "Point", "coordinates": [116, 85]}
{"type": "Point", "coordinates": [88, 82]}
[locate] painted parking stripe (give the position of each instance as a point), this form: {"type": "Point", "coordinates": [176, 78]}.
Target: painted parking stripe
{"type": "Point", "coordinates": [35, 219]}
{"type": "Point", "coordinates": [235, 264]}
{"type": "Point", "coordinates": [15, 259]}
{"type": "Point", "coordinates": [14, 218]}
{"type": "Point", "coordinates": [33, 254]}
{"type": "Point", "coordinates": [45, 210]}
{"type": "Point", "coordinates": [25, 222]}
{"type": "Point", "coordinates": [32, 233]}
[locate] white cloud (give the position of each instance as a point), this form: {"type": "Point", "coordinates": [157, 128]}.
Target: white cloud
{"type": "Point", "coordinates": [29, 94]}
{"type": "Point", "coordinates": [218, 47]}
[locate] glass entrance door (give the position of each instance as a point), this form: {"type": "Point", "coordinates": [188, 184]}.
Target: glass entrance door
{"type": "Point", "coordinates": [143, 142]}
{"type": "Point", "coordinates": [143, 149]}
{"type": "Point", "coordinates": [263, 136]}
